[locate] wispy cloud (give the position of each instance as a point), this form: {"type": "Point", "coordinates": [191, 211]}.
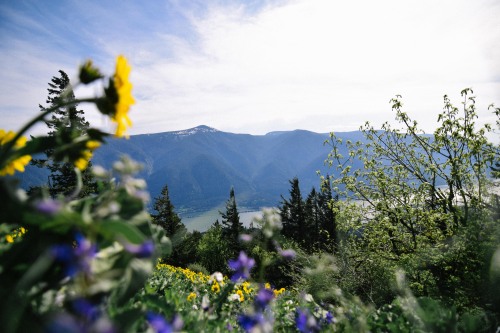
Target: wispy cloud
{"type": "Point", "coordinates": [259, 66]}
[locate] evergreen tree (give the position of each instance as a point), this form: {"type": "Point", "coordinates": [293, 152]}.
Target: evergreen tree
{"type": "Point", "coordinates": [66, 122]}
{"type": "Point", "coordinates": [312, 210]}
{"type": "Point", "coordinates": [328, 236]}
{"type": "Point", "coordinates": [231, 225]}
{"type": "Point", "coordinates": [168, 219]}
{"type": "Point", "coordinates": [293, 213]}
{"type": "Point", "coordinates": [214, 251]}
{"type": "Point", "coordinates": [166, 216]}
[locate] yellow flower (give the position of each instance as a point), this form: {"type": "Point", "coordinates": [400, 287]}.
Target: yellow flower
{"type": "Point", "coordinates": [215, 287]}
{"type": "Point", "coordinates": [123, 89]}
{"type": "Point", "coordinates": [84, 159]}
{"type": "Point", "coordinates": [240, 293]}
{"type": "Point", "coordinates": [9, 239]}
{"type": "Point", "coordinates": [246, 288]}
{"type": "Point", "coordinates": [267, 285]}
{"type": "Point", "coordinates": [18, 163]}
{"type": "Point", "coordinates": [191, 296]}
{"type": "Point", "coordinates": [278, 292]}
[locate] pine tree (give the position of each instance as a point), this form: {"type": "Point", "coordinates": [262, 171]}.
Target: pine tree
{"type": "Point", "coordinates": [166, 216]}
{"type": "Point", "coordinates": [293, 213]}
{"type": "Point", "coordinates": [327, 219]}
{"type": "Point", "coordinates": [312, 211]}
{"type": "Point", "coordinates": [66, 122]}
{"type": "Point", "coordinates": [168, 219]}
{"type": "Point", "coordinates": [231, 225]}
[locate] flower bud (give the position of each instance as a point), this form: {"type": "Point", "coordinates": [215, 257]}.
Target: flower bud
{"type": "Point", "coordinates": [89, 73]}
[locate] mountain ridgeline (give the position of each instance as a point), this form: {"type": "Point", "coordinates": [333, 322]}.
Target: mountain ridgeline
{"type": "Point", "coordinates": [200, 165]}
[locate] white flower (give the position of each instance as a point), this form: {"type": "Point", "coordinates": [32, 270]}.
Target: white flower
{"type": "Point", "coordinates": [217, 276]}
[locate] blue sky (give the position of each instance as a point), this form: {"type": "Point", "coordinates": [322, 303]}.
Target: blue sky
{"type": "Point", "coordinates": [256, 66]}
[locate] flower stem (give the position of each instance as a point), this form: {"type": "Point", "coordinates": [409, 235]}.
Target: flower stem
{"type": "Point", "coordinates": [8, 146]}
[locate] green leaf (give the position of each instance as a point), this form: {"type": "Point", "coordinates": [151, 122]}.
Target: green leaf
{"type": "Point", "coordinates": [37, 145]}
{"type": "Point", "coordinates": [119, 229]}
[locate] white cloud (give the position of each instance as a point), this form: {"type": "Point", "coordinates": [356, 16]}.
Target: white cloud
{"type": "Point", "coordinates": [320, 65]}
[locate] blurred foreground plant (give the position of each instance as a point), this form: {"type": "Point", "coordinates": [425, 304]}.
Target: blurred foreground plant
{"type": "Point", "coordinates": [78, 258]}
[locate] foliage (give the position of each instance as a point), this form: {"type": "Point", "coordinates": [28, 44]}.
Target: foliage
{"type": "Point", "coordinates": [171, 223]}
{"type": "Point", "coordinates": [411, 257]}
{"type": "Point", "coordinates": [311, 222]}
{"type": "Point", "coordinates": [231, 224]}
{"type": "Point", "coordinates": [292, 213]}
{"type": "Point", "coordinates": [166, 216]}
{"type": "Point", "coordinates": [395, 212]}
{"type": "Point", "coordinates": [214, 250]}
{"type": "Point", "coordinates": [66, 124]}
{"type": "Point", "coordinates": [72, 258]}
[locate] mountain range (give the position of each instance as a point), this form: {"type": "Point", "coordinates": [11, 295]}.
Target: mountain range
{"type": "Point", "coordinates": [201, 164]}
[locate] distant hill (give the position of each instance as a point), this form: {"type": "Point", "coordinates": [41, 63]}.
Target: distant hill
{"type": "Point", "coordinates": [200, 165]}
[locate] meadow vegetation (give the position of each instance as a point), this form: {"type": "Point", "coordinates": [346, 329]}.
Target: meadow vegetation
{"type": "Point", "coordinates": [410, 242]}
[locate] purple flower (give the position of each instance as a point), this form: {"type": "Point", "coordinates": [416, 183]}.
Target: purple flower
{"type": "Point", "coordinates": [264, 296]}
{"type": "Point", "coordinates": [85, 317]}
{"type": "Point", "coordinates": [288, 254]}
{"type": "Point", "coordinates": [306, 323]}
{"type": "Point", "coordinates": [246, 238]}
{"type": "Point", "coordinates": [48, 206]}
{"type": "Point", "coordinates": [329, 318]}
{"type": "Point", "coordinates": [160, 325]}
{"type": "Point", "coordinates": [248, 322]}
{"type": "Point", "coordinates": [76, 258]}
{"type": "Point", "coordinates": [63, 322]}
{"type": "Point", "coordinates": [242, 266]}
{"type": "Point", "coordinates": [85, 309]}
{"type": "Point", "coordinates": [144, 250]}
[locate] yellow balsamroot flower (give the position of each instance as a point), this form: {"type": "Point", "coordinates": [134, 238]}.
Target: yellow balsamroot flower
{"type": "Point", "coordinates": [240, 293]}
{"type": "Point", "coordinates": [215, 287]}
{"type": "Point", "coordinates": [278, 292]}
{"type": "Point", "coordinates": [124, 91]}
{"type": "Point", "coordinates": [15, 234]}
{"type": "Point", "coordinates": [191, 296]}
{"type": "Point", "coordinates": [83, 161]}
{"type": "Point", "coordinates": [246, 287]}
{"type": "Point", "coordinates": [18, 163]}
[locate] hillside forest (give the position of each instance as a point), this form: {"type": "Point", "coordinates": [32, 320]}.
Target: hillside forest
{"type": "Point", "coordinates": [408, 242]}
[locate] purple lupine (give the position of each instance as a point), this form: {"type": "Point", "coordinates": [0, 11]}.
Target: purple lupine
{"type": "Point", "coordinates": [258, 318]}
{"type": "Point", "coordinates": [305, 322]}
{"type": "Point", "coordinates": [63, 322]}
{"type": "Point", "coordinates": [76, 258]}
{"type": "Point", "coordinates": [48, 206]}
{"type": "Point", "coordinates": [248, 322]}
{"type": "Point", "coordinates": [242, 266]}
{"type": "Point", "coordinates": [85, 309]}
{"type": "Point", "coordinates": [246, 238]}
{"type": "Point", "coordinates": [86, 317]}
{"type": "Point", "coordinates": [288, 254]}
{"type": "Point", "coordinates": [329, 318]}
{"type": "Point", "coordinates": [262, 299]}
{"type": "Point", "coordinates": [144, 250]}
{"type": "Point", "coordinates": [160, 325]}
